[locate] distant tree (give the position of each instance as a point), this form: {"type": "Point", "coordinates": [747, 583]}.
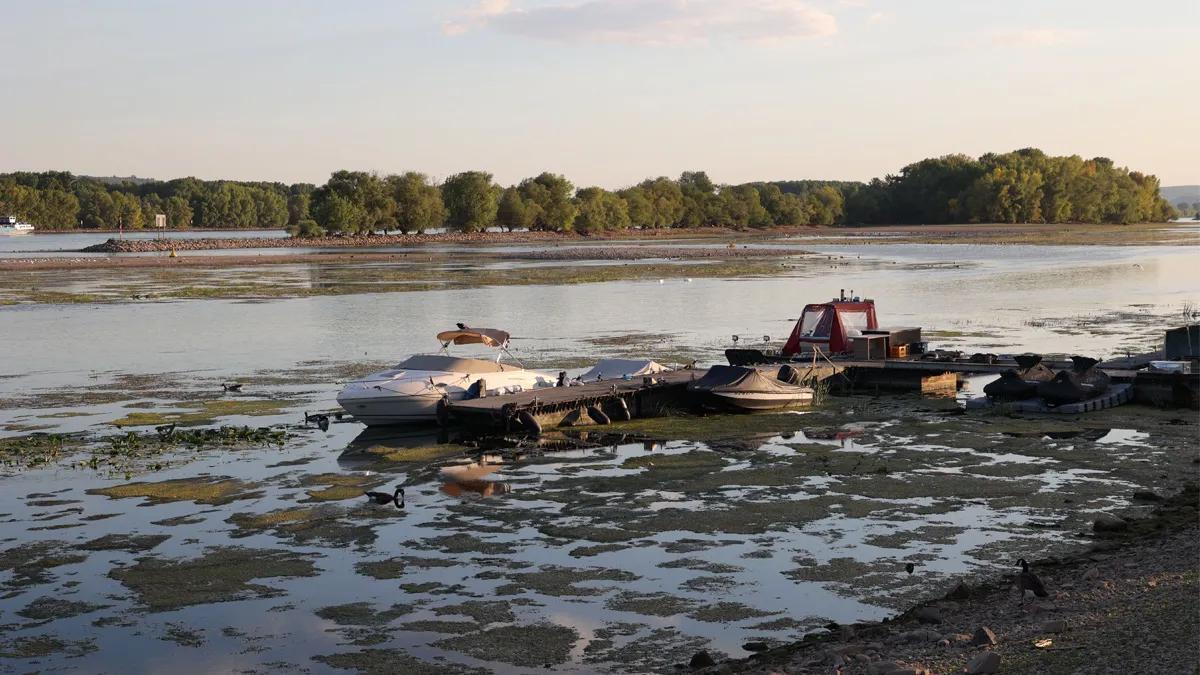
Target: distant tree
{"type": "Point", "coordinates": [513, 212]}
{"type": "Point", "coordinates": [701, 206]}
{"type": "Point", "coordinates": [551, 194]}
{"type": "Point", "coordinates": [666, 201]}
{"type": "Point", "coordinates": [306, 228]}
{"type": "Point", "coordinates": [58, 209]}
{"type": "Point", "coordinates": [178, 212]}
{"type": "Point", "coordinates": [470, 201]}
{"type": "Point", "coordinates": [126, 211]}
{"type": "Point", "coordinates": [600, 210]}
{"type": "Point", "coordinates": [299, 203]}
{"type": "Point", "coordinates": [783, 208]}
{"type": "Point", "coordinates": [419, 204]}
{"type": "Point", "coordinates": [637, 202]}
{"type": "Point", "coordinates": [743, 208]}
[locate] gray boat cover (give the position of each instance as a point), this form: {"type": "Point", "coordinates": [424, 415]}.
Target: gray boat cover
{"type": "Point", "coordinates": [615, 369]}
{"type": "Point", "coordinates": [729, 379]}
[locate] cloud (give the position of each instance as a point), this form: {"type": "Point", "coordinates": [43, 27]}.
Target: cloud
{"type": "Point", "coordinates": [651, 22]}
{"type": "Point", "coordinates": [1038, 37]}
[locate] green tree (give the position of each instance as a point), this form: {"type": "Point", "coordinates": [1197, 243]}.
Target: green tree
{"type": "Point", "coordinates": [178, 212]}
{"type": "Point", "coordinates": [666, 201]}
{"type": "Point", "coordinates": [336, 213]}
{"type": "Point", "coordinates": [743, 208]}
{"type": "Point", "coordinates": [419, 204]}
{"type": "Point", "coordinates": [637, 202]}
{"type": "Point", "coordinates": [513, 212]}
{"type": "Point", "coordinates": [600, 210]}
{"type": "Point", "coordinates": [126, 211]}
{"type": "Point", "coordinates": [551, 194]}
{"type": "Point", "coordinates": [470, 201]}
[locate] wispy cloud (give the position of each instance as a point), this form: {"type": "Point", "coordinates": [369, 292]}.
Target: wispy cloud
{"type": "Point", "coordinates": [651, 22]}
{"type": "Point", "coordinates": [1038, 37]}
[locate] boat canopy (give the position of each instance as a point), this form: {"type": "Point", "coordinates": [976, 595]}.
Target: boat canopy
{"type": "Point", "coordinates": [615, 369]}
{"type": "Point", "coordinates": [490, 337]}
{"type": "Point", "coordinates": [828, 326]}
{"type": "Point", "coordinates": [450, 364]}
{"type": "Point", "coordinates": [740, 379]}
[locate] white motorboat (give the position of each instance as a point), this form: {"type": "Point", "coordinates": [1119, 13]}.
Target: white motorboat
{"type": "Point", "coordinates": [10, 225]}
{"type": "Point", "coordinates": [745, 389]}
{"type": "Point", "coordinates": [410, 391]}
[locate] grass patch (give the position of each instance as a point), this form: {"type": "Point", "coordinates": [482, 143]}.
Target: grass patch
{"type": "Point", "coordinates": [206, 411]}
{"type": "Point", "coordinates": [204, 490]}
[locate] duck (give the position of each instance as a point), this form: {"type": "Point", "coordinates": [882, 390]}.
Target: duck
{"type": "Point", "coordinates": [381, 498]}
{"type": "Point", "coordinates": [909, 567]}
{"type": "Point", "coordinates": [166, 431]}
{"type": "Point", "coordinates": [321, 419]}
{"type": "Point", "coordinates": [231, 386]}
{"type": "Point", "coordinates": [1028, 581]}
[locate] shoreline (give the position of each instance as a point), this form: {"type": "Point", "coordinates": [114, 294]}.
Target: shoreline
{"type": "Point", "coordinates": [1137, 576]}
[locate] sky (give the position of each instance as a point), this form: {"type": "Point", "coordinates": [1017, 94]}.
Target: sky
{"type": "Point", "coordinates": [606, 92]}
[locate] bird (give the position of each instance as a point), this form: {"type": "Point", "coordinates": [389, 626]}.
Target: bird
{"type": "Point", "coordinates": [321, 419]}
{"type": "Point", "coordinates": [736, 338]}
{"type": "Point", "coordinates": [231, 386]}
{"type": "Point", "coordinates": [1028, 581]}
{"type": "Point", "coordinates": [461, 326]}
{"type": "Point", "coordinates": [384, 498]}
{"type": "Point", "coordinates": [166, 431]}
{"type": "Point", "coordinates": [909, 567]}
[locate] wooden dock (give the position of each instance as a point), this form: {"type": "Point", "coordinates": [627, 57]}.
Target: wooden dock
{"type": "Point", "coordinates": [664, 393]}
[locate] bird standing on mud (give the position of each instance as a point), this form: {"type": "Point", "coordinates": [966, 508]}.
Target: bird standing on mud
{"type": "Point", "coordinates": [1028, 581]}
{"type": "Point", "coordinates": [396, 498]}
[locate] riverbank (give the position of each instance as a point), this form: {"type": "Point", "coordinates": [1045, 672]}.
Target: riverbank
{"type": "Point", "coordinates": [1125, 602]}
{"type": "Point", "coordinates": [1140, 234]}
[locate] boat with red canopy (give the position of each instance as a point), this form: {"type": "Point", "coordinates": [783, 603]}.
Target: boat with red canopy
{"type": "Point", "coordinates": [825, 327]}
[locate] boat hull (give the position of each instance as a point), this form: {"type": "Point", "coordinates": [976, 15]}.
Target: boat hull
{"type": "Point", "coordinates": [752, 402]}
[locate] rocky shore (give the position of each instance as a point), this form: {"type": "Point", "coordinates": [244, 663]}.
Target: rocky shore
{"type": "Point", "coordinates": [383, 240]}
{"type": "Point", "coordinates": [1126, 605]}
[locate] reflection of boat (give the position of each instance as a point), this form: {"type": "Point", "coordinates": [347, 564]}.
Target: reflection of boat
{"type": "Point", "coordinates": [1022, 383]}
{"type": "Point", "coordinates": [410, 391]}
{"type": "Point", "coordinates": [373, 445]}
{"type": "Point", "coordinates": [1083, 381]}
{"type": "Point", "coordinates": [460, 479]}
{"type": "Point", "coordinates": [747, 389]}
{"type": "Point", "coordinates": [10, 225]}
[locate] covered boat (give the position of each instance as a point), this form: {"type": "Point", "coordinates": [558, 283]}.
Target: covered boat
{"type": "Point", "coordinates": [617, 369]}
{"type": "Point", "coordinates": [1083, 381]}
{"type": "Point", "coordinates": [741, 388]}
{"type": "Point", "coordinates": [1020, 383]}
{"type": "Point", "coordinates": [410, 390]}
{"type": "Point", "coordinates": [826, 327]}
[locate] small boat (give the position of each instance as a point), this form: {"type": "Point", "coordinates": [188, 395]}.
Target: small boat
{"type": "Point", "coordinates": [740, 388]}
{"type": "Point", "coordinates": [1082, 382]}
{"type": "Point", "coordinates": [10, 225]}
{"type": "Point", "coordinates": [825, 327]}
{"type": "Point", "coordinates": [1020, 383]}
{"type": "Point", "coordinates": [620, 369]}
{"type": "Point", "coordinates": [411, 390]}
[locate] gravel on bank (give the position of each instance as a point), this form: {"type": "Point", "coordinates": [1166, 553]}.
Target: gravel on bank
{"type": "Point", "coordinates": [382, 240]}
{"type": "Point", "coordinates": [1127, 605]}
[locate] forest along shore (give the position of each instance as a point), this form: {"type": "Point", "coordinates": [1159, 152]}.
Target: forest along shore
{"type": "Point", "coordinates": [1124, 603]}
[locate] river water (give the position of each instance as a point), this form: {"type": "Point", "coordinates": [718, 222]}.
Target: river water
{"type": "Point", "coordinates": [625, 556]}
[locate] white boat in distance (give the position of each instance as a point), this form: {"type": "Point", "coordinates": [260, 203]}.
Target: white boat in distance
{"type": "Point", "coordinates": [409, 392]}
{"type": "Point", "coordinates": [10, 225]}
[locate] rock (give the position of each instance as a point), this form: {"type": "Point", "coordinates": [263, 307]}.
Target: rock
{"type": "Point", "coordinates": [862, 659]}
{"type": "Point", "coordinates": [984, 636]}
{"type": "Point", "coordinates": [960, 592]}
{"type": "Point", "coordinates": [958, 637]}
{"type": "Point", "coordinates": [929, 615]}
{"type": "Point", "coordinates": [985, 662]}
{"type": "Point", "coordinates": [1091, 574]}
{"type": "Point", "coordinates": [756, 646]}
{"type": "Point", "coordinates": [1107, 522]}
{"type": "Point", "coordinates": [943, 642]}
{"type": "Point", "coordinates": [1054, 626]}
{"type": "Point", "coordinates": [882, 667]}
{"type": "Point", "coordinates": [1146, 496]}
{"type": "Point", "coordinates": [848, 633]}
{"type": "Point", "coordinates": [701, 659]}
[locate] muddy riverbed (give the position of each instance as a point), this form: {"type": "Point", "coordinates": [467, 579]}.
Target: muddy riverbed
{"type": "Point", "coordinates": [240, 540]}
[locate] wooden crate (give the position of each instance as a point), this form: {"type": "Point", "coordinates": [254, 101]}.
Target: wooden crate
{"type": "Point", "coordinates": [898, 352]}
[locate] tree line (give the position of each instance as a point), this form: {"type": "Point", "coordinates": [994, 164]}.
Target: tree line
{"type": "Point", "coordinates": [1025, 186]}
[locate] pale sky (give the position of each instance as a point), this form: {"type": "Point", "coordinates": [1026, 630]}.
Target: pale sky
{"type": "Point", "coordinates": [606, 92]}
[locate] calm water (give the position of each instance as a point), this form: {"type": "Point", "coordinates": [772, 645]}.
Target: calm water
{"type": "Point", "coordinates": [74, 241]}
{"type": "Point", "coordinates": [546, 549]}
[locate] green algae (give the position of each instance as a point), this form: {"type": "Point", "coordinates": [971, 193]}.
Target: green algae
{"type": "Point", "coordinates": [650, 604]}
{"type": "Point", "coordinates": [220, 575]}
{"type": "Point", "coordinates": [330, 487]}
{"type": "Point", "coordinates": [589, 551]}
{"type": "Point", "coordinates": [481, 611]}
{"type": "Point", "coordinates": [466, 543]}
{"type": "Point", "coordinates": [206, 412]}
{"type": "Point", "coordinates": [390, 662]}
{"type": "Point", "coordinates": [201, 490]}
{"type": "Point", "coordinates": [395, 568]}
{"type": "Point", "coordinates": [47, 608]}
{"type": "Point", "coordinates": [727, 612]}
{"type": "Point", "coordinates": [30, 563]}
{"type": "Point", "coordinates": [701, 566]}
{"type": "Point", "coordinates": [362, 614]}
{"type": "Point", "coordinates": [184, 636]}
{"type": "Point", "coordinates": [130, 543]}
{"type": "Point", "coordinates": [443, 627]}
{"type": "Point", "coordinates": [562, 581]}
{"type": "Point", "coordinates": [530, 646]}
{"type": "Point", "coordinates": [40, 646]}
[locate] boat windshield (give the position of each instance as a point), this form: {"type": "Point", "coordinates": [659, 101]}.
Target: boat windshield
{"type": "Point", "coordinates": [452, 364]}
{"type": "Point", "coordinates": [854, 320]}
{"type": "Point", "coordinates": [815, 323]}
